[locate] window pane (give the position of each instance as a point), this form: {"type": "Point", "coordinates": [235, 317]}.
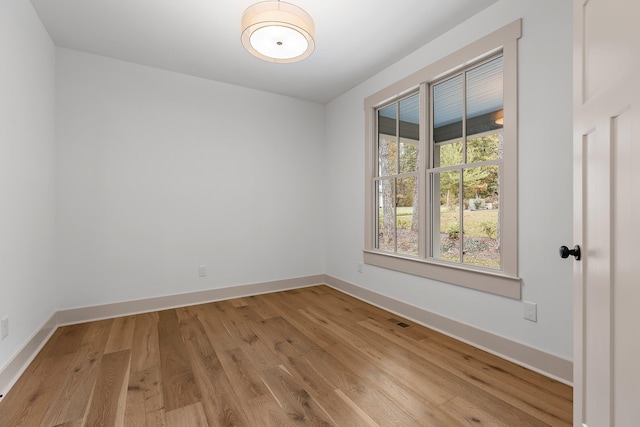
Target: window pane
{"type": "Point", "coordinates": [407, 228]}
{"type": "Point", "coordinates": [445, 226]}
{"type": "Point", "coordinates": [387, 156]}
{"type": "Point", "coordinates": [410, 117]}
{"type": "Point", "coordinates": [387, 119]}
{"type": "Point", "coordinates": [481, 238]}
{"type": "Point", "coordinates": [409, 133]}
{"type": "Point", "coordinates": [408, 156]}
{"type": "Point", "coordinates": [386, 221]}
{"type": "Point", "coordinates": [485, 97]}
{"type": "Point", "coordinates": [447, 109]}
{"type": "Point", "coordinates": [483, 148]}
{"type": "Point", "coordinates": [387, 141]}
{"type": "Point", "coordinates": [449, 154]}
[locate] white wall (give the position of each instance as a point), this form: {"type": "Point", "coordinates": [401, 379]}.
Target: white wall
{"type": "Point", "coordinates": [27, 86]}
{"type": "Point", "coordinates": [545, 211]}
{"type": "Point", "coordinates": [158, 173]}
{"type": "Point", "coordinates": [161, 172]}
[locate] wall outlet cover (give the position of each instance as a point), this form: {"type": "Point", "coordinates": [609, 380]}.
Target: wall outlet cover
{"type": "Point", "coordinates": [202, 270]}
{"type": "Point", "coordinates": [531, 311]}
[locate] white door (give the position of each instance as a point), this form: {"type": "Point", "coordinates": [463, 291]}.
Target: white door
{"type": "Point", "coordinates": [607, 213]}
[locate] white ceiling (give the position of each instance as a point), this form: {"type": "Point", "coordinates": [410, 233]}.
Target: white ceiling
{"type": "Point", "coordinates": [354, 38]}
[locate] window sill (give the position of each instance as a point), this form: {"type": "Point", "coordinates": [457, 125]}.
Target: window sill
{"type": "Point", "coordinates": [486, 281]}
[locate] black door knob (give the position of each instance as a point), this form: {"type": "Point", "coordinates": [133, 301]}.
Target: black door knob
{"type": "Point", "coordinates": [565, 252]}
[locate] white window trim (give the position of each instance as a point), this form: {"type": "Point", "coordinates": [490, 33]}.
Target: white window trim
{"type": "Point", "coordinates": [503, 282]}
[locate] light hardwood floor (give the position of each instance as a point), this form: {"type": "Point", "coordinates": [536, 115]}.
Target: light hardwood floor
{"type": "Point", "coordinates": [311, 356]}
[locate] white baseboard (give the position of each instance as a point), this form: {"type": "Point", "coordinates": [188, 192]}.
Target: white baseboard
{"type": "Point", "coordinates": [521, 354]}
{"type": "Point", "coordinates": [544, 363]}
{"type": "Point", "coordinates": [12, 370]}
{"type": "Point", "coordinates": [86, 314]}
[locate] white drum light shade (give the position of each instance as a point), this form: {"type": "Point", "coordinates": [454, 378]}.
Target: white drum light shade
{"type": "Point", "coordinates": [278, 32]}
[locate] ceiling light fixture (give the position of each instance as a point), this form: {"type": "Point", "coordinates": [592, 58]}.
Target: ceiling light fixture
{"type": "Point", "coordinates": [277, 31]}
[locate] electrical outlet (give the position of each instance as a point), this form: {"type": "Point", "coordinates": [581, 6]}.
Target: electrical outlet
{"type": "Point", "coordinates": [202, 271]}
{"type": "Point", "coordinates": [531, 311]}
{"type": "Point", "coordinates": [360, 267]}
{"type": "Point", "coordinates": [5, 326]}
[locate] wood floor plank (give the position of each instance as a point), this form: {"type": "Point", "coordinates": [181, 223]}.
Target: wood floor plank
{"type": "Point", "coordinates": [265, 411]}
{"type": "Point", "coordinates": [401, 366]}
{"type": "Point", "coordinates": [315, 382]}
{"type": "Point", "coordinates": [485, 375]}
{"type": "Point", "coordinates": [413, 334]}
{"type": "Point", "coordinates": [346, 370]}
{"type": "Point", "coordinates": [339, 304]}
{"type": "Point", "coordinates": [145, 348]}
{"type": "Point", "coordinates": [413, 387]}
{"type": "Point", "coordinates": [178, 381]}
{"type": "Point", "coordinates": [357, 415]}
{"type": "Point", "coordinates": [210, 316]}
{"type": "Point", "coordinates": [481, 360]}
{"type": "Point", "coordinates": [240, 327]}
{"type": "Point", "coordinates": [187, 416]}
{"type": "Point", "coordinates": [247, 383]}
{"type": "Point", "coordinates": [219, 397]}
{"type": "Point", "coordinates": [300, 407]}
{"type": "Point", "coordinates": [108, 399]}
{"type": "Point", "coordinates": [27, 402]}
{"type": "Point", "coordinates": [65, 340]}
{"type": "Point", "coordinates": [235, 303]}
{"type": "Point", "coordinates": [309, 356]}
{"type": "Point", "coordinates": [73, 394]}
{"type": "Point", "coordinates": [135, 413]}
{"type": "Point", "coordinates": [348, 374]}
{"type": "Point", "coordinates": [525, 396]}
{"type": "Point", "coordinates": [513, 383]}
{"type": "Point", "coordinates": [289, 312]}
{"type": "Point", "coordinates": [121, 334]}
{"type": "Point", "coordinates": [260, 307]}
{"type": "Point", "coordinates": [74, 423]}
{"type": "Point", "coordinates": [144, 399]}
{"type": "Point", "coordinates": [381, 408]}
{"type": "Point", "coordinates": [469, 414]}
{"type": "Point", "coordinates": [145, 404]}
{"type": "Point", "coordinates": [335, 373]}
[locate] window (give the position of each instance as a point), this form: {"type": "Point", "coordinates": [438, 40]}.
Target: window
{"type": "Point", "coordinates": [442, 169]}
{"type": "Point", "coordinates": [396, 181]}
{"type": "Point", "coordinates": [465, 163]}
